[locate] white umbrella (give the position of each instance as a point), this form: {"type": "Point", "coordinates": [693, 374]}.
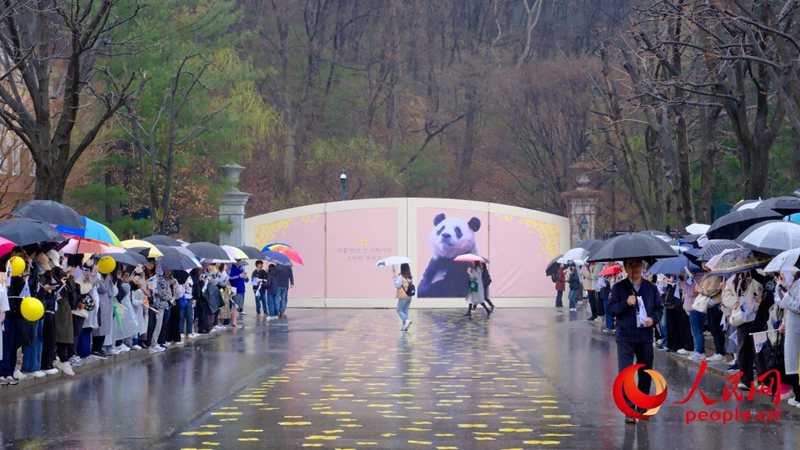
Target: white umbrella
{"type": "Point", "coordinates": [784, 260]}
{"type": "Point", "coordinates": [711, 263]}
{"type": "Point", "coordinates": [393, 261]}
{"type": "Point", "coordinates": [697, 228]}
{"type": "Point", "coordinates": [469, 257]}
{"type": "Point", "coordinates": [771, 237]}
{"type": "Point", "coordinates": [576, 253]}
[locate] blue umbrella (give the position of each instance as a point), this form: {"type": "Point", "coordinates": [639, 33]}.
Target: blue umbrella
{"type": "Point", "coordinates": [673, 266]}
{"type": "Point", "coordinates": [276, 258]}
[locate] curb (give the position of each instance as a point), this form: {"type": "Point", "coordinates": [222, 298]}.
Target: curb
{"type": "Point", "coordinates": [30, 383]}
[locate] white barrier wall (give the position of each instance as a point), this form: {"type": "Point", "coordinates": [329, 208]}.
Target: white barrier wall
{"type": "Point", "coordinates": [341, 242]}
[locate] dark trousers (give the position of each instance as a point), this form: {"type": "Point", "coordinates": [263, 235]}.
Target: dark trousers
{"type": "Point", "coordinates": [97, 343]}
{"type": "Point", "coordinates": [794, 381]}
{"type": "Point", "coordinates": [715, 326]}
{"type": "Point", "coordinates": [11, 343]}
{"type": "Point", "coordinates": [593, 303]}
{"type": "Point", "coordinates": [48, 341]}
{"type": "Point", "coordinates": [559, 294]}
{"type": "Point", "coordinates": [84, 343]}
{"type": "Point", "coordinates": [77, 327]}
{"type": "Point", "coordinates": [151, 326]}
{"type": "Point", "coordinates": [678, 329]}
{"type": "Point", "coordinates": [643, 353]}
{"type": "Point", "coordinates": [747, 352]}
{"type": "Point", "coordinates": [162, 337]}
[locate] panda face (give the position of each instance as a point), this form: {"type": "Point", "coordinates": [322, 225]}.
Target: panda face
{"type": "Point", "coordinates": [451, 237]}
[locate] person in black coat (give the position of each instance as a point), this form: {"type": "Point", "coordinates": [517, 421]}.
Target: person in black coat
{"type": "Point", "coordinates": [634, 339]}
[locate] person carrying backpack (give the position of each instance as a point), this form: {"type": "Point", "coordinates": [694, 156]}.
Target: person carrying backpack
{"type": "Point", "coordinates": [405, 292]}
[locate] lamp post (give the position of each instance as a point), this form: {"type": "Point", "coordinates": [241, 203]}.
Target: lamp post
{"type": "Point", "coordinates": [343, 186]}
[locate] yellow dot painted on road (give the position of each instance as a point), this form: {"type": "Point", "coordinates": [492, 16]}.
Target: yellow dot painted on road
{"type": "Point", "coordinates": [366, 443]}
{"type": "Point", "coordinates": [446, 448]}
{"type": "Point", "coordinates": [248, 439]}
{"type": "Point", "coordinates": [213, 444]}
{"type": "Point", "coordinates": [516, 430]}
{"type": "Point", "coordinates": [557, 416]}
{"type": "Point", "coordinates": [229, 407]}
{"type": "Point", "coordinates": [535, 442]}
{"type": "Point", "coordinates": [292, 417]}
{"type": "Point", "coordinates": [484, 438]}
{"type": "Point", "coordinates": [210, 426]}
{"type": "Point", "coordinates": [556, 435]}
{"type": "Point", "coordinates": [294, 424]}
{"type": "Point", "coordinates": [388, 435]}
{"type": "Point", "coordinates": [415, 429]}
{"type": "Point", "coordinates": [444, 435]}
{"type": "Point", "coordinates": [562, 425]}
{"type": "Point", "coordinates": [226, 413]}
{"type": "Point", "coordinates": [472, 425]}
{"type": "Point", "coordinates": [322, 438]}
{"type": "Point", "coordinates": [228, 420]}
{"type": "Point", "coordinates": [420, 442]}
{"type": "Point", "coordinates": [198, 433]}
{"type": "Point", "coordinates": [311, 445]}
{"type": "Point", "coordinates": [332, 431]}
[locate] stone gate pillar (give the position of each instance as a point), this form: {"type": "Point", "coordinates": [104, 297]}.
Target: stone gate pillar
{"type": "Point", "coordinates": [231, 209]}
{"type": "Point", "coordinates": [581, 205]}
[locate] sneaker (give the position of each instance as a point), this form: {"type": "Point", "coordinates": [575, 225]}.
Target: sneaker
{"type": "Point", "coordinates": [697, 357]}
{"type": "Point", "coordinates": [136, 347]}
{"type": "Point", "coordinates": [36, 374]}
{"type": "Point", "coordinates": [630, 420]}
{"type": "Point", "coordinates": [3, 381]}
{"type": "Point", "coordinates": [715, 357]}
{"type": "Point", "coordinates": [52, 371]}
{"type": "Point", "coordinates": [115, 351]}
{"type": "Point", "coordinates": [193, 336]}
{"type": "Point", "coordinates": [125, 348]}
{"type": "Point", "coordinates": [591, 319]}
{"type": "Point", "coordinates": [733, 367]}
{"type": "Point", "coordinates": [683, 351]}
{"type": "Point", "coordinates": [77, 362]}
{"type": "Point", "coordinates": [406, 324]}
{"type": "Point", "coordinates": [74, 359]}
{"type": "Point", "coordinates": [11, 381]}
{"type": "Point", "coordinates": [67, 369]}
{"type": "Point", "coordinates": [19, 375]}
{"type": "Point", "coordinates": [178, 344]}
{"type": "Point", "coordinates": [743, 387]}
{"type": "Point", "coordinates": [793, 402]}
{"type": "Point", "coordinates": [573, 309]}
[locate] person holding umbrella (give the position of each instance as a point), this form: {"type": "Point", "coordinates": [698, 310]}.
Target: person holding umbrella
{"type": "Point", "coordinates": [403, 283]}
{"type": "Point", "coordinates": [560, 281]}
{"type": "Point", "coordinates": [637, 307]}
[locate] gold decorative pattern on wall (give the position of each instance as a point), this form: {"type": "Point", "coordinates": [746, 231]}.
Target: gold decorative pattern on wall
{"type": "Point", "coordinates": [549, 233]}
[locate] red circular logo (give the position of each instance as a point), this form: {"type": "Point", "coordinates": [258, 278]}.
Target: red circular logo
{"type": "Point", "coordinates": [625, 387]}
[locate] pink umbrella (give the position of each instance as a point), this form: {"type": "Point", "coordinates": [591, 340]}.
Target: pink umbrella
{"type": "Point", "coordinates": [469, 257]}
{"type": "Point", "coordinates": [82, 245]}
{"type": "Point", "coordinates": [6, 246]}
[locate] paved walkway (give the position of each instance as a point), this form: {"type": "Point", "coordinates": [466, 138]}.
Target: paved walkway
{"type": "Point", "coordinates": [526, 378]}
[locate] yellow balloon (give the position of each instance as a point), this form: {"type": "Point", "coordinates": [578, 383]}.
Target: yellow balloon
{"type": "Point", "coordinates": [17, 266]}
{"type": "Point", "coordinates": [106, 265]}
{"type": "Point", "coordinates": [32, 309]}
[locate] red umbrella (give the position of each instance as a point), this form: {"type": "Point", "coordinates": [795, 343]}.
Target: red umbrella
{"type": "Point", "coordinates": [6, 246]}
{"type": "Point", "coordinates": [613, 270]}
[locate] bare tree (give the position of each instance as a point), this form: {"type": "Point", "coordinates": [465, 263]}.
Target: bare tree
{"type": "Point", "coordinates": [50, 48]}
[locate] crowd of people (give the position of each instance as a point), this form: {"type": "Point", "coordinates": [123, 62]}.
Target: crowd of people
{"type": "Point", "coordinates": [752, 317]}
{"type": "Point", "coordinates": [92, 311]}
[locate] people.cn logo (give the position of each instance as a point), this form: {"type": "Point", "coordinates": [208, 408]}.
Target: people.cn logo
{"type": "Point", "coordinates": [625, 388]}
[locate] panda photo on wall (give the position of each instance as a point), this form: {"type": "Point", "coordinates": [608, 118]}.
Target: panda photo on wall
{"type": "Point", "coordinates": [449, 238]}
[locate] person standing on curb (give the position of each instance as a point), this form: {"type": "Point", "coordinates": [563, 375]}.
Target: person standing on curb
{"type": "Point", "coordinates": [284, 278]}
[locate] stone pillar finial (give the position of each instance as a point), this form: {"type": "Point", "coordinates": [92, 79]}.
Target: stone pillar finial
{"type": "Point", "coordinates": [231, 209]}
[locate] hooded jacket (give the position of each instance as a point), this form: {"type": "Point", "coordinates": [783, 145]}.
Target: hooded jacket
{"type": "Point", "coordinates": [625, 314]}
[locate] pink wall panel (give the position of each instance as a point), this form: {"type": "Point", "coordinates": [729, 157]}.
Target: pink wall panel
{"type": "Point", "coordinates": [357, 239]}
{"type": "Point", "coordinates": [306, 234]}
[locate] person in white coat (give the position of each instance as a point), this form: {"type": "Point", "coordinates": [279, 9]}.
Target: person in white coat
{"type": "Point", "coordinates": [787, 297]}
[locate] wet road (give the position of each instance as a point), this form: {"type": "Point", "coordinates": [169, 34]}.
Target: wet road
{"type": "Point", "coordinates": [526, 378]}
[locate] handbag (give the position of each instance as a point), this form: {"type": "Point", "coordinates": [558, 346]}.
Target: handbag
{"type": "Point", "coordinates": [473, 285]}
{"type": "Point", "coordinates": [700, 303]}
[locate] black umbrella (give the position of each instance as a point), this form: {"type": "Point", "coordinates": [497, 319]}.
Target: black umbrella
{"type": "Point", "coordinates": [657, 234]}
{"type": "Point", "coordinates": [207, 250]}
{"type": "Point", "coordinates": [25, 232]}
{"type": "Point", "coordinates": [251, 252]}
{"type": "Point", "coordinates": [49, 211]}
{"type": "Point", "coordinates": [731, 225]}
{"type": "Point", "coordinates": [784, 205]}
{"type": "Point", "coordinates": [632, 245]}
{"type": "Point", "coordinates": [552, 266]}
{"type": "Point", "coordinates": [590, 244]}
{"type": "Point", "coordinates": [130, 258]}
{"type": "Point", "coordinates": [160, 239]}
{"type": "Point", "coordinates": [175, 260]}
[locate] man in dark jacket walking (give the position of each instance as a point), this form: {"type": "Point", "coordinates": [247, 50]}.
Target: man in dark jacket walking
{"type": "Point", "coordinates": [634, 337]}
{"type": "Point", "coordinates": [284, 278]}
